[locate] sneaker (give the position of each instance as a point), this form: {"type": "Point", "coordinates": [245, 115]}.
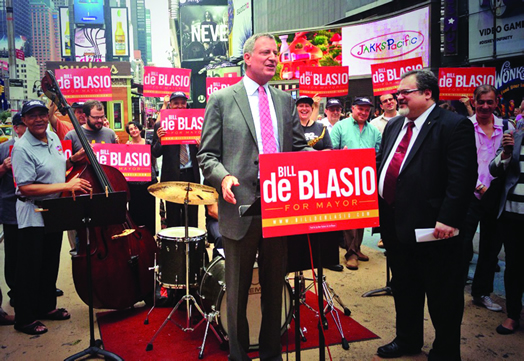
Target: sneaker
{"type": "Point", "coordinates": [486, 301]}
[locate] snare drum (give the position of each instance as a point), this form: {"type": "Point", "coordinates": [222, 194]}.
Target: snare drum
{"type": "Point", "coordinates": [172, 258]}
{"type": "Point", "coordinates": [213, 296]}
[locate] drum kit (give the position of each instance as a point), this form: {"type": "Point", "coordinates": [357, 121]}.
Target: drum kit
{"type": "Point", "coordinates": [181, 263]}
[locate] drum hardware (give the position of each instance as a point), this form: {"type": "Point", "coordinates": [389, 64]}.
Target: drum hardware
{"type": "Point", "coordinates": [330, 297]}
{"type": "Point", "coordinates": [196, 194]}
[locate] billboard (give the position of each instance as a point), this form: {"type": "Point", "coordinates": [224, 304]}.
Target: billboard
{"type": "Point", "coordinates": [90, 44]}
{"type": "Point", "coordinates": [65, 34]}
{"type": "Point", "coordinates": [89, 12]}
{"type": "Point", "coordinates": [400, 37]}
{"type": "Point", "coordinates": [204, 32]}
{"type": "Point", "coordinates": [120, 31]}
{"type": "Point", "coordinates": [240, 25]}
{"type": "Point", "coordinates": [503, 18]}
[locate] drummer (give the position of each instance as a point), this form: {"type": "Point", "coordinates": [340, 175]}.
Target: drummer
{"type": "Point", "coordinates": [179, 163]}
{"type": "Point", "coordinates": [39, 168]}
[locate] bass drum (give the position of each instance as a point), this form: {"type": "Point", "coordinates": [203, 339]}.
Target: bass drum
{"type": "Point", "coordinates": [213, 296]}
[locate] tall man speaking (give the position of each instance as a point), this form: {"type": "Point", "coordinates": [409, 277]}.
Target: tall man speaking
{"type": "Point", "coordinates": [427, 170]}
{"type": "Point", "coordinates": [241, 122]}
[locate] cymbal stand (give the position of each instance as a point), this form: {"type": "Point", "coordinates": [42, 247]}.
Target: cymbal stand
{"type": "Point", "coordinates": [330, 297]}
{"type": "Point", "coordinates": [384, 291]}
{"type": "Point", "coordinates": [155, 272]}
{"type": "Point", "coordinates": [208, 318]}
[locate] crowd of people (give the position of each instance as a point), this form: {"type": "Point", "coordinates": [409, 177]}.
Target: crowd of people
{"type": "Point", "coordinates": [435, 169]}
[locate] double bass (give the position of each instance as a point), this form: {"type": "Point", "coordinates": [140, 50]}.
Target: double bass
{"type": "Point", "coordinates": [121, 254]}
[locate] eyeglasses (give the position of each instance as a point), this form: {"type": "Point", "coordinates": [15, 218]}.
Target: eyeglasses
{"type": "Point", "coordinates": [37, 116]}
{"type": "Point", "coordinates": [406, 92]}
{"type": "Point", "coordinates": [102, 117]}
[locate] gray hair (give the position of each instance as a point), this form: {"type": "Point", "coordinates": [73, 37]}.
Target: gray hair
{"type": "Point", "coordinates": [249, 45]}
{"type": "Point", "coordinates": [425, 80]}
{"type": "Point", "coordinates": [484, 89]}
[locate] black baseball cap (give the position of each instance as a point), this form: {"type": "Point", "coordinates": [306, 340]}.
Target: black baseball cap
{"type": "Point", "coordinates": [333, 102]}
{"type": "Point", "coordinates": [33, 104]}
{"type": "Point", "coordinates": [17, 119]}
{"type": "Point", "coordinates": [175, 95]}
{"type": "Point", "coordinates": [77, 105]}
{"type": "Point", "coordinates": [363, 101]}
{"type": "Point", "coordinates": [304, 99]}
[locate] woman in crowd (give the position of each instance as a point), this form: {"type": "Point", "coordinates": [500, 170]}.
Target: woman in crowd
{"type": "Point", "coordinates": [142, 203]}
{"type": "Point", "coordinates": [39, 168]}
{"type": "Point", "coordinates": [316, 133]}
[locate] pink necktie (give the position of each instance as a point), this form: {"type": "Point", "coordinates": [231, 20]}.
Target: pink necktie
{"type": "Point", "coordinates": [266, 125]}
{"type": "Point", "coordinates": [390, 181]}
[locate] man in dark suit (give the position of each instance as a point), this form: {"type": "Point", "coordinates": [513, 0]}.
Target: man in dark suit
{"type": "Point", "coordinates": [427, 170]}
{"type": "Point", "coordinates": [179, 163]}
{"type": "Point", "coordinates": [241, 122]}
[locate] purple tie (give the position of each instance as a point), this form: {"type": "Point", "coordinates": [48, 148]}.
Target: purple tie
{"type": "Point", "coordinates": [269, 144]}
{"type": "Point", "coordinates": [390, 181]}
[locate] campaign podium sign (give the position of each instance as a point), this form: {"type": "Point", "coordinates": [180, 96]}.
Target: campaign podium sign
{"type": "Point", "coordinates": [312, 192]}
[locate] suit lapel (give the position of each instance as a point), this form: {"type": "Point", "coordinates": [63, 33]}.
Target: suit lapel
{"type": "Point", "coordinates": [278, 111]}
{"type": "Point", "coordinates": [243, 105]}
{"type": "Point", "coordinates": [426, 127]}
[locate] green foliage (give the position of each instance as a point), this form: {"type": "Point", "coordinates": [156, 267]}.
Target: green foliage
{"type": "Point", "coordinates": [4, 115]}
{"type": "Point", "coordinates": [320, 40]}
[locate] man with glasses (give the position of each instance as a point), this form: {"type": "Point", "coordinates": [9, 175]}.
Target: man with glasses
{"type": "Point", "coordinates": [93, 129]}
{"type": "Point", "coordinates": [427, 170]}
{"type": "Point", "coordinates": [388, 103]}
{"type": "Point", "coordinates": [333, 112]}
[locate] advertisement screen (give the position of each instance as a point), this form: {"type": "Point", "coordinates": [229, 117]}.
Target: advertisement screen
{"type": "Point", "coordinates": [119, 32]}
{"type": "Point", "coordinates": [90, 44]}
{"type": "Point", "coordinates": [503, 18]}
{"type": "Point", "coordinates": [65, 32]}
{"type": "Point", "coordinates": [204, 32]}
{"type": "Point", "coordinates": [89, 12]}
{"type": "Point", "coordinates": [240, 25]}
{"type": "Point", "coordinates": [401, 37]}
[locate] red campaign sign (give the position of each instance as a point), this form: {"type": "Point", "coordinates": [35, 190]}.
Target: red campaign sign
{"type": "Point", "coordinates": [326, 81]}
{"type": "Point", "coordinates": [214, 84]}
{"type": "Point", "coordinates": [386, 76]}
{"type": "Point", "coordinates": [80, 85]}
{"type": "Point", "coordinates": [159, 82]}
{"type": "Point", "coordinates": [182, 126]}
{"type": "Point", "coordinates": [133, 160]}
{"type": "Point", "coordinates": [455, 83]}
{"type": "Point", "coordinates": [312, 192]}
{"type": "Point", "coordinates": [20, 54]}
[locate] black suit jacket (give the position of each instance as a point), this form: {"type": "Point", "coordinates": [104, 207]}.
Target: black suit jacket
{"type": "Point", "coordinates": [437, 179]}
{"type": "Point", "coordinates": [171, 158]}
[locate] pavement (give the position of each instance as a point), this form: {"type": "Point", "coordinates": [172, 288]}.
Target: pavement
{"type": "Point", "coordinates": [479, 339]}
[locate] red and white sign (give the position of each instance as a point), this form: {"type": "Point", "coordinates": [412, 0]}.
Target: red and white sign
{"type": "Point", "coordinates": [20, 54]}
{"type": "Point", "coordinates": [455, 83]}
{"type": "Point", "coordinates": [79, 85]}
{"type": "Point", "coordinates": [133, 160]}
{"type": "Point", "coordinates": [311, 192]}
{"type": "Point", "coordinates": [386, 76]}
{"type": "Point", "coordinates": [67, 148]}
{"type": "Point", "coordinates": [159, 82]}
{"type": "Point", "coordinates": [326, 81]}
{"type": "Point", "coordinates": [214, 84]}
{"type": "Point", "coordinates": [182, 126]}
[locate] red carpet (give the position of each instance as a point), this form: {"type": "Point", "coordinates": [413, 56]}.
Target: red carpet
{"type": "Point", "coordinates": [124, 333]}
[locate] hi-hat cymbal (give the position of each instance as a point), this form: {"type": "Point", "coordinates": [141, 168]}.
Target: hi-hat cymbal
{"type": "Point", "coordinates": [176, 192]}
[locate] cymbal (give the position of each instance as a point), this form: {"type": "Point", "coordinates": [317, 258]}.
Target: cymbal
{"type": "Point", "coordinates": [176, 192]}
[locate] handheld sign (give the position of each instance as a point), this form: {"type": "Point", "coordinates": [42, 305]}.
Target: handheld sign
{"type": "Point", "coordinates": [79, 85]}
{"type": "Point", "coordinates": [455, 83]}
{"type": "Point", "coordinates": [386, 76]}
{"type": "Point", "coordinates": [214, 84]}
{"type": "Point", "coordinates": [159, 82]}
{"type": "Point", "coordinates": [133, 160]}
{"type": "Point", "coordinates": [326, 81]}
{"type": "Point", "coordinates": [311, 192]}
{"type": "Point", "coordinates": [183, 126]}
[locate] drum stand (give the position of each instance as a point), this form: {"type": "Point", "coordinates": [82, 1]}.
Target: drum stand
{"type": "Point", "coordinates": [208, 318]}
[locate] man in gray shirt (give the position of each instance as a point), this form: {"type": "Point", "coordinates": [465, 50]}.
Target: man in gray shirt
{"type": "Point", "coordinates": [94, 129]}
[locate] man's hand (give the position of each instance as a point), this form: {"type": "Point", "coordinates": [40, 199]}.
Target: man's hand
{"type": "Point", "coordinates": [7, 163]}
{"type": "Point", "coordinates": [507, 143]}
{"type": "Point", "coordinates": [161, 132]}
{"type": "Point", "coordinates": [228, 182]}
{"type": "Point", "coordinates": [80, 155]}
{"type": "Point", "coordinates": [443, 231]}
{"type": "Point", "coordinates": [79, 185]}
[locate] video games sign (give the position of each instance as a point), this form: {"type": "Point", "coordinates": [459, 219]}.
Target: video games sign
{"type": "Point", "coordinates": [309, 192]}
